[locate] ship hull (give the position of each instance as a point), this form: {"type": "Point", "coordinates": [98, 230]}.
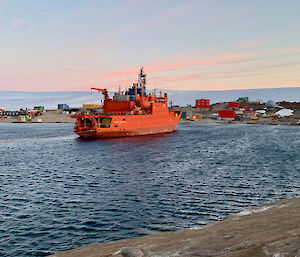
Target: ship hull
{"type": "Point", "coordinates": [128, 125]}
{"type": "Point", "coordinates": [129, 133]}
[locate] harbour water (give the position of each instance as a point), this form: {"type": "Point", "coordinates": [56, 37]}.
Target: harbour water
{"type": "Point", "coordinates": [58, 192]}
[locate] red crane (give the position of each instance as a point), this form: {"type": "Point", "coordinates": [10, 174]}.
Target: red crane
{"type": "Point", "coordinates": [103, 91]}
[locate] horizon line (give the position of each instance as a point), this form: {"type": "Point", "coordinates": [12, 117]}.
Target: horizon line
{"type": "Point", "coordinates": [192, 90]}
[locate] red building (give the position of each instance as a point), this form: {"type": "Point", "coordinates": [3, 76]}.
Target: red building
{"type": "Point", "coordinates": [202, 103]}
{"type": "Point", "coordinates": [227, 114]}
{"type": "Point", "coordinates": [233, 104]}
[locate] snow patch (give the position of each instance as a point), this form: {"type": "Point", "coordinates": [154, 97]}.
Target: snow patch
{"type": "Point", "coordinates": [248, 212]}
{"type": "Point", "coordinates": [200, 227]}
{"type": "Point", "coordinates": [260, 111]}
{"type": "Point", "coordinates": [285, 112]}
{"type": "Point", "coordinates": [116, 253]}
{"type": "Point", "coordinates": [196, 228]}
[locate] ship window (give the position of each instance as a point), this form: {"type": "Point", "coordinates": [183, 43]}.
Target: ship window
{"type": "Point", "coordinates": [116, 126]}
{"type": "Point", "coordinates": [124, 119]}
{"type": "Point", "coordinates": [88, 122]}
{"type": "Point", "coordinates": [85, 123]}
{"type": "Point", "coordinates": [105, 122]}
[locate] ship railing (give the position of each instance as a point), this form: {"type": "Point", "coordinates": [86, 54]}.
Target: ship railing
{"type": "Point", "coordinates": [88, 112]}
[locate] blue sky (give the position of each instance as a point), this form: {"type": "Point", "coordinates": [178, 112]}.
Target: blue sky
{"type": "Point", "coordinates": [189, 45]}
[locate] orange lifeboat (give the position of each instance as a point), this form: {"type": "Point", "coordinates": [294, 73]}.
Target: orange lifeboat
{"type": "Point", "coordinates": [144, 103]}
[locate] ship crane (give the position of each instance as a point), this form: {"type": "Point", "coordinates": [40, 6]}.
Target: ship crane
{"type": "Point", "coordinates": [103, 91]}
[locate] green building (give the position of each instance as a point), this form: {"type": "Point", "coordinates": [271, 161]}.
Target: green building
{"type": "Point", "coordinates": [40, 108]}
{"type": "Point", "coordinates": [243, 99]}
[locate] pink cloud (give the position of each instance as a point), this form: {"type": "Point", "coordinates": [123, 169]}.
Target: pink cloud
{"type": "Point", "coordinates": [167, 82]}
{"type": "Point", "coordinates": [221, 59]}
{"type": "Point", "coordinates": [252, 44]}
{"type": "Point", "coordinates": [171, 66]}
{"type": "Point", "coordinates": [17, 23]}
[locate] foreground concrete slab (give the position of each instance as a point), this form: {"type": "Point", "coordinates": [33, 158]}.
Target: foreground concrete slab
{"type": "Point", "coordinates": [268, 230]}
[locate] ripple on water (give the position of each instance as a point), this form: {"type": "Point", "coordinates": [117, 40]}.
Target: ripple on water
{"type": "Point", "coordinates": [58, 192]}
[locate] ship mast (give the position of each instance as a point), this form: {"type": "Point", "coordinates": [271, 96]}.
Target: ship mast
{"type": "Point", "coordinates": [142, 81]}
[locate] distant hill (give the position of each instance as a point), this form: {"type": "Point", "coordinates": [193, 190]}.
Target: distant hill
{"type": "Point", "coordinates": [265, 94]}
{"type": "Point", "coordinates": [12, 100]}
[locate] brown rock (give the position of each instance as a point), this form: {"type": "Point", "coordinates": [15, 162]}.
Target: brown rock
{"type": "Point", "coordinates": [131, 252]}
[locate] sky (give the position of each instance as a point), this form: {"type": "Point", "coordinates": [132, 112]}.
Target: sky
{"type": "Point", "coordinates": [72, 45]}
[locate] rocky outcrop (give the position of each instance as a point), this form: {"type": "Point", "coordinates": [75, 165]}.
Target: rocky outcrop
{"type": "Point", "coordinates": [269, 230]}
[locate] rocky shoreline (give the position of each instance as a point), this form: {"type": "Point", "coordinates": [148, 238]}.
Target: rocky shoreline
{"type": "Point", "coordinates": [268, 230]}
{"type": "Point", "coordinates": [48, 117]}
{"type": "Point", "coordinates": [256, 122]}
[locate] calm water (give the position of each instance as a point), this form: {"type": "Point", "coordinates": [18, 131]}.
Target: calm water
{"type": "Point", "coordinates": [59, 192]}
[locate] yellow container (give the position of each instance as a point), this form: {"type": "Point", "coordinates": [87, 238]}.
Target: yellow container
{"type": "Point", "coordinates": [91, 106]}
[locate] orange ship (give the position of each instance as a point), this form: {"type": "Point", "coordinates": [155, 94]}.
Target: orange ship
{"type": "Point", "coordinates": [133, 113]}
